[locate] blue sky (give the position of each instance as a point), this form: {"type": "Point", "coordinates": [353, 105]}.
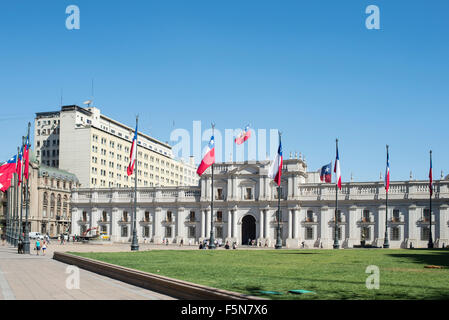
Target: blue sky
{"type": "Point", "coordinates": [309, 68]}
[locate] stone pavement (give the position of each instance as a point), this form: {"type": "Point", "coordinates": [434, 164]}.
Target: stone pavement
{"type": "Point", "coordinates": [32, 277]}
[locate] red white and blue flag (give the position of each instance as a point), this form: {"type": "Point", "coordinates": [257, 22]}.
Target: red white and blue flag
{"type": "Point", "coordinates": [209, 157]}
{"type": "Point", "coordinates": [275, 171]}
{"type": "Point", "coordinates": [387, 174]}
{"type": "Point", "coordinates": [337, 171]}
{"type": "Point", "coordinates": [19, 167]}
{"type": "Point", "coordinates": [132, 155]}
{"type": "Point", "coordinates": [326, 173]}
{"type": "Point", "coordinates": [6, 172]}
{"type": "Point", "coordinates": [243, 136]}
{"type": "Point", "coordinates": [430, 177]}
{"type": "Point", "coordinates": [26, 158]}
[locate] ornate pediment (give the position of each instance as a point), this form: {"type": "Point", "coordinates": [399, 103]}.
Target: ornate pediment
{"type": "Point", "coordinates": [246, 169]}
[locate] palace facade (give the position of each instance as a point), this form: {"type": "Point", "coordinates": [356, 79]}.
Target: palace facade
{"type": "Point", "coordinates": [245, 206]}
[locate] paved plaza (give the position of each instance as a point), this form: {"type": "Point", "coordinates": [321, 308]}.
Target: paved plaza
{"type": "Point", "coordinates": [32, 277]}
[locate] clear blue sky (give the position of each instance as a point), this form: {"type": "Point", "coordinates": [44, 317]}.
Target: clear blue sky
{"type": "Point", "coordinates": [309, 68]}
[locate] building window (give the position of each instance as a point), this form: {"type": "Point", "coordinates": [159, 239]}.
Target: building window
{"type": "Point", "coordinates": [192, 232]}
{"type": "Point", "coordinates": [309, 233]}
{"type": "Point", "coordinates": [105, 216]}
{"type": "Point", "coordinates": [84, 216]}
{"type": "Point", "coordinates": [248, 193]}
{"type": "Point", "coordinates": [219, 232]}
{"type": "Point", "coordinates": [169, 216]}
{"type": "Point", "coordinates": [125, 216]}
{"type": "Point", "coordinates": [104, 229]}
{"type": "Point", "coordinates": [426, 215]}
{"type": "Point", "coordinates": [425, 233]}
{"type": "Point", "coordinates": [219, 195]}
{"type": "Point", "coordinates": [395, 233]}
{"type": "Point", "coordinates": [168, 232]}
{"type": "Point", "coordinates": [366, 233]}
{"type": "Point", "coordinates": [219, 216]}
{"type": "Point", "coordinates": [146, 231]}
{"type": "Point", "coordinates": [192, 216]}
{"type": "Point", "coordinates": [147, 216]}
{"type": "Point", "coordinates": [396, 215]}
{"type": "Point", "coordinates": [309, 216]}
{"type": "Point", "coordinates": [366, 216]}
{"type": "Point", "coordinates": [124, 231]}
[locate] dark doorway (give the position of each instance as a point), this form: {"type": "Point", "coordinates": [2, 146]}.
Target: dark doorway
{"type": "Point", "coordinates": [248, 229]}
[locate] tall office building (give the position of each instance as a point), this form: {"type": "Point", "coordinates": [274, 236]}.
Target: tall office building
{"type": "Point", "coordinates": [96, 149]}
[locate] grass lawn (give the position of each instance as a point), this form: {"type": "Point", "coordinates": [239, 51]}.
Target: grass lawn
{"type": "Point", "coordinates": [331, 274]}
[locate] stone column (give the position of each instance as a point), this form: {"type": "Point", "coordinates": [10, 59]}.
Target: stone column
{"type": "Point", "coordinates": [229, 225]}
{"type": "Point", "coordinates": [325, 232]}
{"type": "Point", "coordinates": [379, 229]}
{"type": "Point", "coordinates": [353, 231]}
{"type": "Point", "coordinates": [443, 232]}
{"type": "Point", "coordinates": [180, 225]}
{"type": "Point", "coordinates": [203, 224]}
{"type": "Point", "coordinates": [207, 223]}
{"type": "Point", "coordinates": [295, 224]}
{"type": "Point", "coordinates": [261, 225]}
{"type": "Point", "coordinates": [266, 228]}
{"type": "Point", "coordinates": [413, 235]}
{"type": "Point", "coordinates": [234, 224]}
{"type": "Point", "coordinates": [290, 223]}
{"type": "Point", "coordinates": [157, 237]}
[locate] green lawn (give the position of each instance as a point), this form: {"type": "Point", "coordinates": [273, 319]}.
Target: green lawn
{"type": "Point", "coordinates": [331, 274]}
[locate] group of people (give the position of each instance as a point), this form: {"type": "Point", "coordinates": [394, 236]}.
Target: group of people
{"type": "Point", "coordinates": [205, 244]}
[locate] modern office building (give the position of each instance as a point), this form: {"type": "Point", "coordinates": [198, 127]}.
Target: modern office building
{"type": "Point", "coordinates": [245, 205]}
{"type": "Point", "coordinates": [96, 149]}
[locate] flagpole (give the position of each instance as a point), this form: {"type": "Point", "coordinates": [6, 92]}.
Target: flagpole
{"type": "Point", "coordinates": [278, 238]}
{"type": "Point", "coordinates": [21, 193]}
{"type": "Point", "coordinates": [26, 242]}
{"type": "Point", "coordinates": [212, 226]}
{"type": "Point", "coordinates": [16, 204]}
{"type": "Point", "coordinates": [336, 244]}
{"type": "Point", "coordinates": [430, 244]}
{"type": "Point", "coordinates": [135, 244]}
{"type": "Point", "coordinates": [386, 242]}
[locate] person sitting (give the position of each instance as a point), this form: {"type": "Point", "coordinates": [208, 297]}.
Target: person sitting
{"type": "Point", "coordinates": [227, 245]}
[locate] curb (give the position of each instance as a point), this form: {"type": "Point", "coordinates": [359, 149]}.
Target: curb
{"type": "Point", "coordinates": [172, 287]}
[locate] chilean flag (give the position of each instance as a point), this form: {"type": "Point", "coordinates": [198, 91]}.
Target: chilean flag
{"type": "Point", "coordinates": [6, 172]}
{"type": "Point", "coordinates": [387, 174]}
{"type": "Point", "coordinates": [209, 157]}
{"type": "Point", "coordinates": [326, 173]}
{"type": "Point", "coordinates": [243, 136]}
{"type": "Point", "coordinates": [132, 155]}
{"type": "Point", "coordinates": [19, 167]}
{"type": "Point", "coordinates": [337, 171]}
{"type": "Point", "coordinates": [276, 166]}
{"type": "Point", "coordinates": [430, 176]}
{"type": "Point", "coordinates": [26, 158]}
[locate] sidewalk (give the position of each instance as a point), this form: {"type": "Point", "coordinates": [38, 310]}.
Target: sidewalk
{"type": "Point", "coordinates": [32, 277]}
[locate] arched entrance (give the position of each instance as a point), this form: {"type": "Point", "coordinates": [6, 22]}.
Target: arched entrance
{"type": "Point", "coordinates": [248, 229]}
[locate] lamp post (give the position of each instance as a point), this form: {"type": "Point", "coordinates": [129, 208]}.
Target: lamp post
{"type": "Point", "coordinates": [387, 186]}
{"type": "Point", "coordinates": [16, 205]}
{"type": "Point", "coordinates": [135, 244]}
{"type": "Point", "coordinates": [212, 225]}
{"type": "Point", "coordinates": [430, 243]}
{"type": "Point", "coordinates": [21, 194]}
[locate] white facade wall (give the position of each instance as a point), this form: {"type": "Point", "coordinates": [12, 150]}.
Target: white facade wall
{"type": "Point", "coordinates": [249, 203]}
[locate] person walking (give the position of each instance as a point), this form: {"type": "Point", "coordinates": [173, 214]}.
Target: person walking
{"type": "Point", "coordinates": [3, 239]}
{"type": "Point", "coordinates": [44, 246]}
{"type": "Point", "coordinates": [38, 246]}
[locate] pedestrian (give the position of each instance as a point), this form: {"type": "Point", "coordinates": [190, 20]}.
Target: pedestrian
{"type": "Point", "coordinates": [182, 242]}
{"type": "Point", "coordinates": [20, 246]}
{"type": "Point", "coordinates": [3, 239]}
{"type": "Point", "coordinates": [38, 246]}
{"type": "Point", "coordinates": [44, 246]}
{"type": "Point", "coordinates": [201, 246]}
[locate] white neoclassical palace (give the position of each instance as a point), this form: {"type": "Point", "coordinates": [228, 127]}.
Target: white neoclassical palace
{"type": "Point", "coordinates": [245, 205]}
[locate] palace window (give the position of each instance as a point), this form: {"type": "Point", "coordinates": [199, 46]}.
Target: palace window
{"type": "Point", "coordinates": [105, 216]}
{"type": "Point", "coordinates": [169, 216]}
{"type": "Point", "coordinates": [84, 216]}
{"type": "Point", "coordinates": [248, 193]}
{"type": "Point", "coordinates": [395, 233]}
{"type": "Point", "coordinates": [219, 216]}
{"type": "Point", "coordinates": [366, 216]}
{"type": "Point", "coordinates": [309, 233]}
{"type": "Point", "coordinates": [396, 215]}
{"type": "Point", "coordinates": [309, 216]}
{"type": "Point", "coordinates": [192, 216]}
{"type": "Point", "coordinates": [425, 233]}
{"type": "Point", "coordinates": [125, 216]}
{"type": "Point", "coordinates": [192, 232]}
{"type": "Point", "coordinates": [219, 232]}
{"type": "Point", "coordinates": [168, 232]}
{"type": "Point", "coordinates": [146, 231]}
{"type": "Point", "coordinates": [124, 231]}
{"type": "Point", "coordinates": [366, 233]}
{"type": "Point", "coordinates": [426, 215]}
{"type": "Point", "coordinates": [219, 195]}
{"type": "Point", "coordinates": [104, 229]}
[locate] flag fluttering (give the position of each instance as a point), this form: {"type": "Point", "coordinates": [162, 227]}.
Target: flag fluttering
{"type": "Point", "coordinates": [209, 157]}
{"type": "Point", "coordinates": [243, 136]}
{"type": "Point", "coordinates": [132, 155]}
{"type": "Point", "coordinates": [275, 171]}
{"type": "Point", "coordinates": [26, 158]}
{"type": "Point", "coordinates": [337, 170]}
{"type": "Point", "coordinates": [326, 173]}
{"type": "Point", "coordinates": [6, 172]}
{"type": "Point", "coordinates": [19, 167]}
